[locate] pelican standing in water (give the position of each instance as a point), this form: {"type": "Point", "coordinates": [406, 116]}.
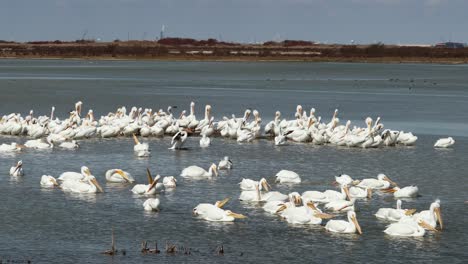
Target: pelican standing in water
{"type": "Point", "coordinates": [141, 149]}
{"type": "Point", "coordinates": [118, 176]}
{"type": "Point", "coordinates": [17, 170]}
{"type": "Point", "coordinates": [225, 164]}
{"type": "Point", "coordinates": [197, 172]}
{"type": "Point", "coordinates": [342, 226]}
{"type": "Point", "coordinates": [179, 139]}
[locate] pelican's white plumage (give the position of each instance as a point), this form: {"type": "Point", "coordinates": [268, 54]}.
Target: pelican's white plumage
{"type": "Point", "coordinates": [393, 214]}
{"type": "Point", "coordinates": [119, 176]}
{"type": "Point", "coordinates": [287, 176]}
{"type": "Point", "coordinates": [17, 170]}
{"type": "Point", "coordinates": [406, 227]}
{"type": "Point", "coordinates": [444, 142]}
{"type": "Point", "coordinates": [169, 182]}
{"type": "Point", "coordinates": [405, 192]}
{"type": "Point", "coordinates": [251, 185]}
{"type": "Point", "coordinates": [70, 175]}
{"type": "Point", "coordinates": [48, 181]}
{"type": "Point", "coordinates": [382, 182]}
{"type": "Point", "coordinates": [342, 226]}
{"type": "Point", "coordinates": [151, 204]}
{"type": "Point", "coordinates": [225, 164]}
{"type": "Point", "coordinates": [197, 172]}
{"type": "Point", "coordinates": [88, 184]}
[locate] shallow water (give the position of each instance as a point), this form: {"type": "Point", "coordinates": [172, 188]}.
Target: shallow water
{"type": "Point", "coordinates": [51, 226]}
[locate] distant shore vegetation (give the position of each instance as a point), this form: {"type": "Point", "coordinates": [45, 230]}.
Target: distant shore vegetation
{"type": "Point", "coordinates": [212, 49]}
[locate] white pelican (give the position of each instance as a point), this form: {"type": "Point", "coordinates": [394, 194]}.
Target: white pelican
{"type": "Point", "coordinates": [405, 192]}
{"type": "Point", "coordinates": [151, 204]}
{"type": "Point", "coordinates": [38, 144]}
{"type": "Point", "coordinates": [345, 179]}
{"type": "Point", "coordinates": [17, 170]}
{"type": "Point", "coordinates": [88, 184]}
{"type": "Point", "coordinates": [251, 185]}
{"type": "Point", "coordinates": [407, 139]}
{"type": "Point", "coordinates": [179, 139]}
{"type": "Point", "coordinates": [219, 215]}
{"type": "Point", "coordinates": [69, 145]}
{"type": "Point", "coordinates": [431, 216]}
{"type": "Point", "coordinates": [257, 196]}
{"type": "Point", "coordinates": [118, 176]}
{"type": "Point", "coordinates": [307, 214]}
{"type": "Point", "coordinates": [326, 196]}
{"type": "Point", "coordinates": [205, 141]}
{"type": "Point", "coordinates": [13, 147]}
{"type": "Point", "coordinates": [75, 176]}
{"type": "Point", "coordinates": [197, 172]}
{"type": "Point", "coordinates": [341, 205]}
{"type": "Point", "coordinates": [287, 176]}
{"type": "Point", "coordinates": [151, 188]}
{"type": "Point", "coordinates": [169, 182]}
{"type": "Point", "coordinates": [382, 182]}
{"type": "Point", "coordinates": [407, 227]}
{"type": "Point", "coordinates": [48, 181]}
{"type": "Point", "coordinates": [342, 226]}
{"type": "Point", "coordinates": [141, 149]}
{"type": "Point", "coordinates": [444, 142]}
{"type": "Point", "coordinates": [358, 192]}
{"type": "Point", "coordinates": [225, 164]}
{"type": "Point", "coordinates": [202, 208]}
{"type": "Point", "coordinates": [393, 214]}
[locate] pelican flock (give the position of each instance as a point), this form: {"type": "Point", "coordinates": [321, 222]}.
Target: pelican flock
{"type": "Point", "coordinates": [48, 131]}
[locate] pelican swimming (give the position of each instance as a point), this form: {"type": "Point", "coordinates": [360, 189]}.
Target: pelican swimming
{"type": "Point", "coordinates": [257, 196]}
{"type": "Point", "coordinates": [251, 185]}
{"type": "Point", "coordinates": [342, 226]}
{"type": "Point", "coordinates": [444, 142]}
{"type": "Point", "coordinates": [308, 214]}
{"type": "Point", "coordinates": [358, 192]}
{"type": "Point", "coordinates": [225, 164]}
{"type": "Point", "coordinates": [326, 196]}
{"type": "Point", "coordinates": [431, 216]}
{"type": "Point", "coordinates": [393, 214]}
{"type": "Point", "coordinates": [179, 139]}
{"type": "Point", "coordinates": [197, 172]}
{"type": "Point", "coordinates": [69, 175]}
{"type": "Point", "coordinates": [341, 205]}
{"type": "Point", "coordinates": [382, 182]}
{"type": "Point", "coordinates": [287, 176]}
{"type": "Point", "coordinates": [216, 214]}
{"type": "Point", "coordinates": [48, 181]}
{"type": "Point", "coordinates": [405, 192]}
{"type": "Point", "coordinates": [13, 147]}
{"type": "Point", "coordinates": [205, 141]}
{"type": "Point", "coordinates": [203, 208]}
{"type": "Point", "coordinates": [169, 182]}
{"type": "Point", "coordinates": [118, 176]}
{"type": "Point", "coordinates": [345, 179]}
{"type": "Point", "coordinates": [407, 227]}
{"type": "Point", "coordinates": [88, 184]}
{"type": "Point", "coordinates": [69, 145]}
{"type": "Point", "coordinates": [151, 204]}
{"type": "Point", "coordinates": [151, 188]}
{"type": "Point", "coordinates": [141, 149]}
{"type": "Point", "coordinates": [17, 170]}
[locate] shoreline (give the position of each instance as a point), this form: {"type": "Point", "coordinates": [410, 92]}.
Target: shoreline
{"type": "Point", "coordinates": [389, 60]}
{"type": "Point", "coordinates": [223, 52]}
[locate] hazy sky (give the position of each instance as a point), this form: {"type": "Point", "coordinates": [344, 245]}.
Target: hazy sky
{"type": "Point", "coordinates": [332, 21]}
